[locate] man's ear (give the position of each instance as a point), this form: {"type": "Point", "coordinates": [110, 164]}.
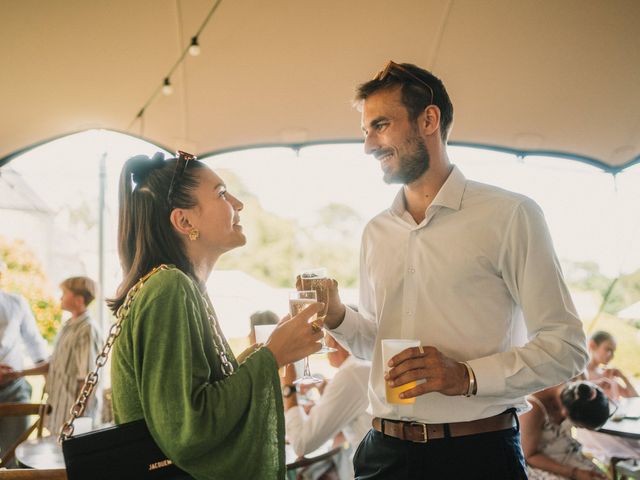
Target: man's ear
{"type": "Point", "coordinates": [180, 221]}
{"type": "Point", "coordinates": [430, 120]}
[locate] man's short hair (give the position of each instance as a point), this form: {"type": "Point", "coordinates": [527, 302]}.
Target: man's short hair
{"type": "Point", "coordinates": [601, 336]}
{"type": "Point", "coordinates": [83, 286]}
{"type": "Point", "coordinates": [264, 317]}
{"type": "Point", "coordinates": [415, 96]}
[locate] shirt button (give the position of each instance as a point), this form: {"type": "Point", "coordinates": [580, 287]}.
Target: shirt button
{"type": "Point", "coordinates": [412, 270]}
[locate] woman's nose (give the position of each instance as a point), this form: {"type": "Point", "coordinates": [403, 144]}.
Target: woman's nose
{"type": "Point", "coordinates": [237, 204]}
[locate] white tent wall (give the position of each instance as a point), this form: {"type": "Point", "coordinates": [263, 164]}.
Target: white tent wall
{"type": "Point", "coordinates": [546, 75]}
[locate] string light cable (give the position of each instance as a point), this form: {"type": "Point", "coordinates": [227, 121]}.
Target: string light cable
{"type": "Point", "coordinates": [165, 86]}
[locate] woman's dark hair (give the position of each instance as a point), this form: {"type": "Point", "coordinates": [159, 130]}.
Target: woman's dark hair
{"type": "Point", "coordinates": [586, 403]}
{"type": "Point", "coordinates": [146, 237]}
{"type": "Point", "coordinates": [601, 336]}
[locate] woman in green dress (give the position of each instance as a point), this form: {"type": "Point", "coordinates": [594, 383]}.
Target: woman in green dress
{"type": "Point", "coordinates": [214, 416]}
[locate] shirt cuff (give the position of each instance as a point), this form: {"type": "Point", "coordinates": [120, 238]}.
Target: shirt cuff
{"type": "Point", "coordinates": [490, 381]}
{"type": "Point", "coordinates": [348, 328]}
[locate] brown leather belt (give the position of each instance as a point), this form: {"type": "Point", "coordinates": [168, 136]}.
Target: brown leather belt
{"type": "Point", "coordinates": [423, 432]}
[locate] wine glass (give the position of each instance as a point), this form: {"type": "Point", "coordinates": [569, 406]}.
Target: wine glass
{"type": "Point", "coordinates": [316, 279]}
{"type": "Point", "coordinates": [298, 301]}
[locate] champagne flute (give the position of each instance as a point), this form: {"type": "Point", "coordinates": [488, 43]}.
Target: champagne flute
{"type": "Point", "coordinates": [298, 301]}
{"type": "Point", "coordinates": [316, 279]}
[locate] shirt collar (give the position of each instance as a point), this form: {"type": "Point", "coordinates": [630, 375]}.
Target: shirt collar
{"type": "Point", "coordinates": [452, 190]}
{"type": "Point", "coordinates": [82, 317]}
{"type": "Point", "coordinates": [450, 194]}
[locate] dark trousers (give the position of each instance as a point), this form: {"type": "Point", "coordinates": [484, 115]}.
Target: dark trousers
{"type": "Point", "coordinates": [486, 456]}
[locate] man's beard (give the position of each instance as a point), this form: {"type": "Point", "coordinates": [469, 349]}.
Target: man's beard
{"type": "Point", "coordinates": [412, 164]}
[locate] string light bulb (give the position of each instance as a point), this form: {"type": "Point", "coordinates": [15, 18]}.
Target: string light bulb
{"type": "Point", "coordinates": [167, 88]}
{"type": "Point", "coordinates": [194, 48]}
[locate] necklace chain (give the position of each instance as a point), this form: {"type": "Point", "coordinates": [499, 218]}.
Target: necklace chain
{"type": "Point", "coordinates": [91, 380]}
{"type": "Point", "coordinates": [226, 366]}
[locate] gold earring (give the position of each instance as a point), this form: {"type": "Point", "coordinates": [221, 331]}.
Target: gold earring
{"type": "Point", "coordinates": [194, 234]}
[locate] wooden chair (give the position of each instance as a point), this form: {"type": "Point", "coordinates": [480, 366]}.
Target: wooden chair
{"type": "Point", "coordinates": [296, 468]}
{"type": "Point", "coordinates": [625, 469]}
{"type": "Point", "coordinates": [21, 410]}
{"type": "Point", "coordinates": [28, 474]}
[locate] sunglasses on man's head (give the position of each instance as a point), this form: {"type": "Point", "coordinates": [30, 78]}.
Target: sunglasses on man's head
{"type": "Point", "coordinates": [181, 165]}
{"type": "Point", "coordinates": [395, 69]}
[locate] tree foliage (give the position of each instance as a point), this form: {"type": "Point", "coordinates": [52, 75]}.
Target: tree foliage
{"type": "Point", "coordinates": [26, 277]}
{"type": "Point", "coordinates": [617, 292]}
{"type": "Point", "coordinates": [278, 247]}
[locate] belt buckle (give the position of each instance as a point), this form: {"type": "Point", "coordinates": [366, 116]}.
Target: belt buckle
{"type": "Point", "coordinates": [425, 434]}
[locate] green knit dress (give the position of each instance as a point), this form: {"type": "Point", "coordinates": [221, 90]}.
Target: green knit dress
{"type": "Point", "coordinates": [165, 369]}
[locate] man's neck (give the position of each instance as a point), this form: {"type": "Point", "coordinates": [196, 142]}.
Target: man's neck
{"type": "Point", "coordinates": [420, 194]}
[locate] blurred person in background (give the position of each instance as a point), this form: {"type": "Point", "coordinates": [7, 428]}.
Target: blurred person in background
{"type": "Point", "coordinates": [602, 348]}
{"type": "Point", "coordinates": [339, 414]}
{"type": "Point", "coordinates": [550, 451]}
{"type": "Point", "coordinates": [261, 317]}
{"type": "Point", "coordinates": [17, 329]}
{"type": "Point", "coordinates": [74, 354]}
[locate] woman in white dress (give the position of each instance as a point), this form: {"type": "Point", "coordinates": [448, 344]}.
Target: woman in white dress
{"type": "Point", "coordinates": [549, 449]}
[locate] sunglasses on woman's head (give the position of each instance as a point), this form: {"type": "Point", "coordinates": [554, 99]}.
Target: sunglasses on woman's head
{"type": "Point", "coordinates": [183, 159]}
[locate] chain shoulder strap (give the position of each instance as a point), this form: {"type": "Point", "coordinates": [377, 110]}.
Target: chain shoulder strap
{"type": "Point", "coordinates": [91, 379]}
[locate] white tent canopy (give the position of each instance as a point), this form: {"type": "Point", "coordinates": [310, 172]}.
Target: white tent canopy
{"type": "Point", "coordinates": [528, 75]}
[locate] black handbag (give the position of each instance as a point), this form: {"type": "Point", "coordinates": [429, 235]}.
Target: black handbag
{"type": "Point", "coordinates": [121, 452]}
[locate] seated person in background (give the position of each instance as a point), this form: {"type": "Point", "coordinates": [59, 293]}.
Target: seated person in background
{"type": "Point", "coordinates": [17, 328]}
{"type": "Point", "coordinates": [74, 355]}
{"type": "Point", "coordinates": [549, 449]}
{"type": "Point", "coordinates": [602, 348]}
{"type": "Point", "coordinates": [341, 408]}
{"type": "Point", "coordinates": [261, 317]}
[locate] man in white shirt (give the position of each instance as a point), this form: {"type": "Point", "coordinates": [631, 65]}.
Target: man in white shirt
{"type": "Point", "coordinates": [470, 271]}
{"type": "Point", "coordinates": [341, 408]}
{"type": "Point", "coordinates": [17, 328]}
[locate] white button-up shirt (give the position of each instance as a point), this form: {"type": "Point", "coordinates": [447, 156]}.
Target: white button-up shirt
{"type": "Point", "coordinates": [18, 327]}
{"type": "Point", "coordinates": [342, 407]}
{"type": "Point", "coordinates": [479, 280]}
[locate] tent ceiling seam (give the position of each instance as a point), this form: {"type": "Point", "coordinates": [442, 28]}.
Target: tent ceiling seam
{"type": "Point", "coordinates": [435, 49]}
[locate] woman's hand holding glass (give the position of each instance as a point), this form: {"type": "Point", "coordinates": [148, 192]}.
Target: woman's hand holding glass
{"type": "Point", "coordinates": [295, 338]}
